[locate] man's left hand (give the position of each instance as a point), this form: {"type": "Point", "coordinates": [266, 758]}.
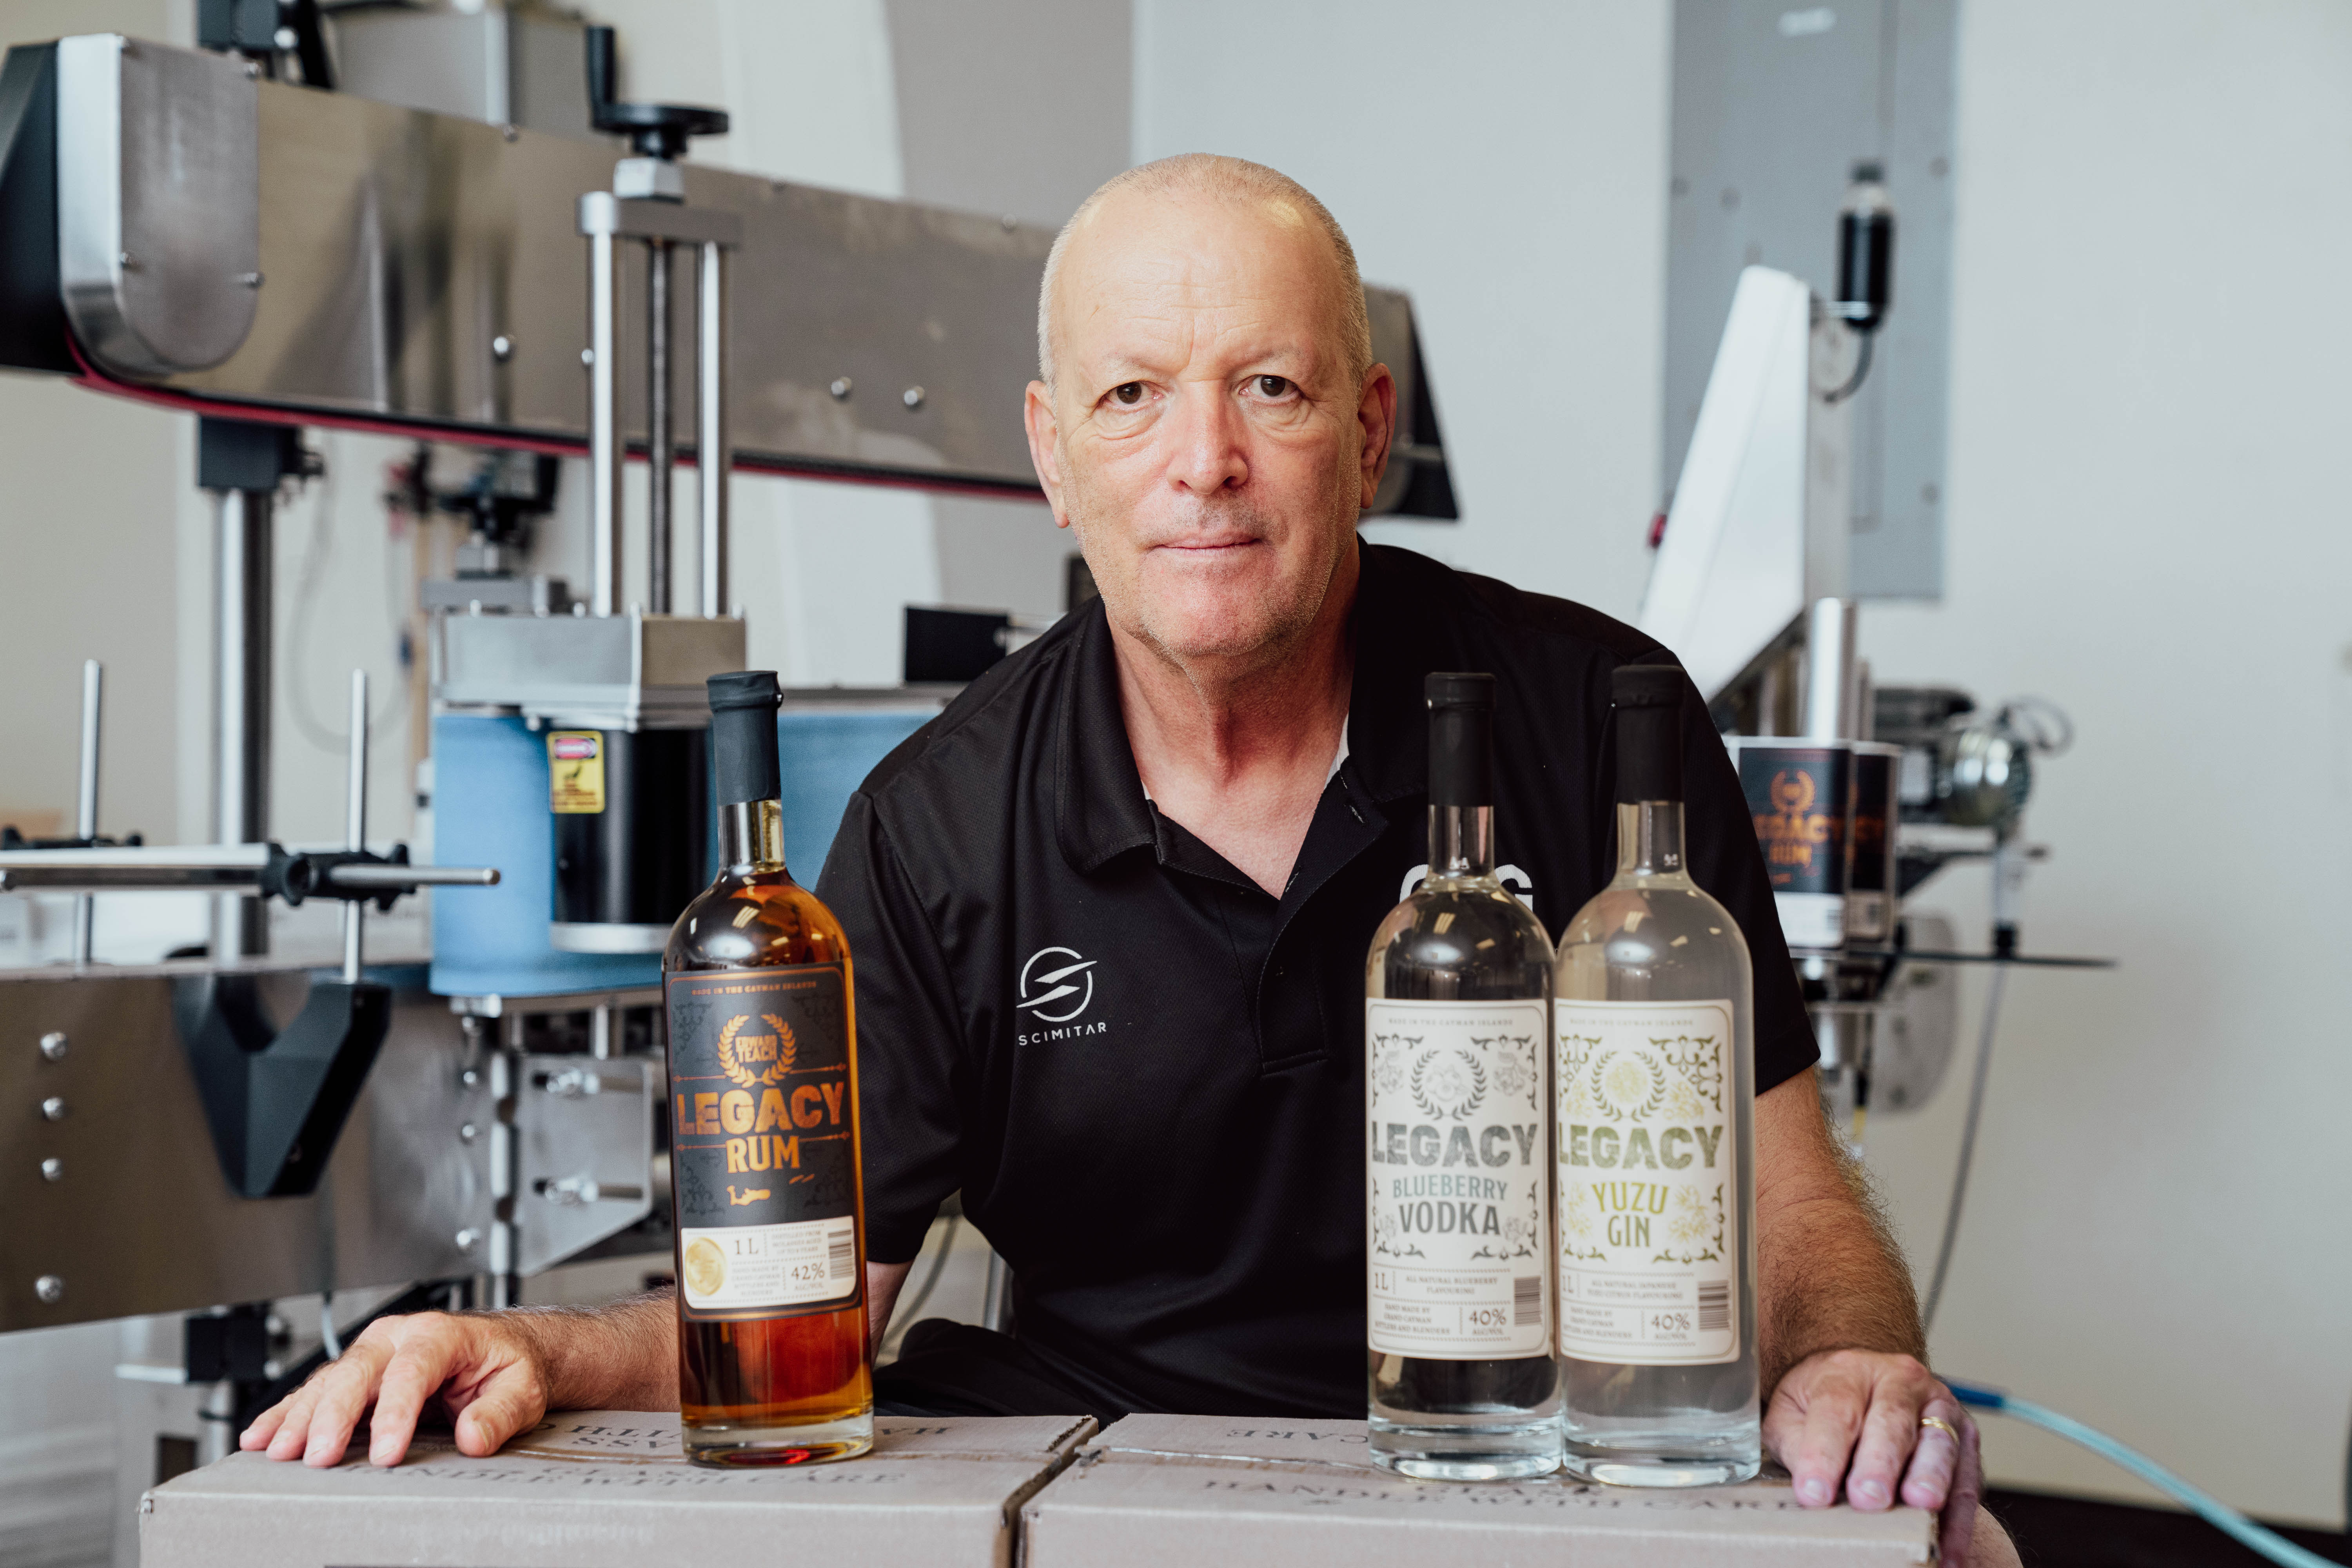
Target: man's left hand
{"type": "Point", "coordinates": [1865, 1417]}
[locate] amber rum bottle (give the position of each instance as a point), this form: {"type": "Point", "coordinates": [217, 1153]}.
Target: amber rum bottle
{"type": "Point", "coordinates": [773, 1365]}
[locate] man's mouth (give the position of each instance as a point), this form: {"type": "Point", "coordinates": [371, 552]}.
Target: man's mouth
{"type": "Point", "coordinates": [1224, 544]}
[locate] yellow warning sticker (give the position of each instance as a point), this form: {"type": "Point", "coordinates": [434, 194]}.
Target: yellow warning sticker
{"type": "Point", "coordinates": [575, 772]}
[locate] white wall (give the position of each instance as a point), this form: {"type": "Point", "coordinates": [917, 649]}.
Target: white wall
{"type": "Point", "coordinates": [2146, 524]}
{"type": "Point", "coordinates": [1507, 166]}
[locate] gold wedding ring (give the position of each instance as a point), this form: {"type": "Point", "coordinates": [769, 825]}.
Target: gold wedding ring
{"type": "Point", "coordinates": [1940, 1425]}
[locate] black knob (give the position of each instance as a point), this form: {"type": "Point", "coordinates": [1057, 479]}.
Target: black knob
{"type": "Point", "coordinates": [653, 130]}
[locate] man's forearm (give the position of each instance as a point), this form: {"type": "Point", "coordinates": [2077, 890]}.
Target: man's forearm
{"type": "Point", "coordinates": [623, 1356]}
{"type": "Point", "coordinates": [1829, 1275]}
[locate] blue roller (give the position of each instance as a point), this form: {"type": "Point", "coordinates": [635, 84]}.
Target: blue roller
{"type": "Point", "coordinates": [827, 755]}
{"type": "Point", "coordinates": [490, 798]}
{"type": "Point", "coordinates": [489, 808]}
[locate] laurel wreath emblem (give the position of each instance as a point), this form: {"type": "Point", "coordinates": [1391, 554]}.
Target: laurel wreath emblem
{"type": "Point", "coordinates": [749, 1077]}
{"type": "Point", "coordinates": [1628, 1084]}
{"type": "Point", "coordinates": [1448, 1085]}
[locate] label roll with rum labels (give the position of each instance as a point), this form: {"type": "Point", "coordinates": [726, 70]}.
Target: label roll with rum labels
{"type": "Point", "coordinates": [761, 1152]}
{"type": "Point", "coordinates": [1648, 1192]}
{"type": "Point", "coordinates": [1457, 1217]}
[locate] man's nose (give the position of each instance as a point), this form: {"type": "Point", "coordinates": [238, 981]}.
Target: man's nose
{"type": "Point", "coordinates": [1208, 439]}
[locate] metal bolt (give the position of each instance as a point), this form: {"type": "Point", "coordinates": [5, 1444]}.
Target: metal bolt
{"type": "Point", "coordinates": [509, 133]}
{"type": "Point", "coordinates": [842, 386]}
{"type": "Point", "coordinates": [469, 1078]}
{"type": "Point", "coordinates": [912, 397]}
{"type": "Point", "coordinates": [49, 1288]}
{"type": "Point", "coordinates": [588, 357]}
{"type": "Point", "coordinates": [250, 279]}
{"type": "Point", "coordinates": [53, 1045]}
{"type": "Point", "coordinates": [468, 1132]}
{"type": "Point", "coordinates": [129, 263]}
{"type": "Point", "coordinates": [53, 1169]}
{"type": "Point", "coordinates": [1010, 222]}
{"type": "Point", "coordinates": [502, 347]}
{"type": "Point", "coordinates": [53, 1109]}
{"type": "Point", "coordinates": [251, 70]}
{"type": "Point", "coordinates": [469, 1238]}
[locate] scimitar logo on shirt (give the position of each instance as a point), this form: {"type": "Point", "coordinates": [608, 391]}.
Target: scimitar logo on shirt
{"type": "Point", "coordinates": [1056, 986]}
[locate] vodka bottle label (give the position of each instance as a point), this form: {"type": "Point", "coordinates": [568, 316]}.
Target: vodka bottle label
{"type": "Point", "coordinates": [1648, 1192]}
{"type": "Point", "coordinates": [761, 1154]}
{"type": "Point", "coordinates": [1456, 1223]}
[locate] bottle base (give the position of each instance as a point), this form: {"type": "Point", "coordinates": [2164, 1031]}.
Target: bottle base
{"type": "Point", "coordinates": [1466, 1450]}
{"type": "Point", "coordinates": [743, 1446]}
{"type": "Point", "coordinates": [1634, 1464]}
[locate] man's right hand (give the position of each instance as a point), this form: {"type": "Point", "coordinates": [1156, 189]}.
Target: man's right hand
{"type": "Point", "coordinates": [488, 1370]}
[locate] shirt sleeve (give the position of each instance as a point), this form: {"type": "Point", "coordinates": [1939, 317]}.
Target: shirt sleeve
{"type": "Point", "coordinates": [910, 1057]}
{"type": "Point", "coordinates": [1719, 843]}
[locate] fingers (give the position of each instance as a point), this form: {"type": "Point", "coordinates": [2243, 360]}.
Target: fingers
{"type": "Point", "coordinates": [1850, 1417]}
{"type": "Point", "coordinates": [428, 1355]}
{"type": "Point", "coordinates": [1813, 1424]}
{"type": "Point", "coordinates": [395, 1367]}
{"type": "Point", "coordinates": [1929, 1481]}
{"type": "Point", "coordinates": [1890, 1435]}
{"type": "Point", "coordinates": [265, 1426]}
{"type": "Point", "coordinates": [319, 1417]}
{"type": "Point", "coordinates": [1962, 1520]}
{"type": "Point", "coordinates": [512, 1399]}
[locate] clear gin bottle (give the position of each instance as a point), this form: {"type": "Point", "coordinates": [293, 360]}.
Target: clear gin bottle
{"type": "Point", "coordinates": [1458, 1195]}
{"type": "Point", "coordinates": [1653, 1083]}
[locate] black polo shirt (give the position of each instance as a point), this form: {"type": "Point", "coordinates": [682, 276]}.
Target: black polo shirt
{"type": "Point", "coordinates": [1144, 1073]}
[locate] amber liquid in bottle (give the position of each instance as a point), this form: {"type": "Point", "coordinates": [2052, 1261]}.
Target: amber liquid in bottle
{"type": "Point", "coordinates": [762, 1381]}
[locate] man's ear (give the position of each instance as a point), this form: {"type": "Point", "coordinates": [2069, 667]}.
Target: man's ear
{"type": "Point", "coordinates": [1376, 412]}
{"type": "Point", "coordinates": [1045, 435]}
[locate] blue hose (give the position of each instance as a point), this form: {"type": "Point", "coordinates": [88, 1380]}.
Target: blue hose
{"type": "Point", "coordinates": [2212, 1509]}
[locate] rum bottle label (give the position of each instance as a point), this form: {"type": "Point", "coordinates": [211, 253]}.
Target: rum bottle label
{"type": "Point", "coordinates": [763, 1153]}
{"type": "Point", "coordinates": [1457, 1200]}
{"type": "Point", "coordinates": [1648, 1198]}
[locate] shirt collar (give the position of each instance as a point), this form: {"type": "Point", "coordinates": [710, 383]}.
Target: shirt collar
{"type": "Point", "coordinates": [1388, 730]}
{"type": "Point", "coordinates": [1099, 808]}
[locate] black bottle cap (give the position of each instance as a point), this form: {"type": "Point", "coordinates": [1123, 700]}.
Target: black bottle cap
{"type": "Point", "coordinates": [743, 736]}
{"type": "Point", "coordinates": [1461, 738]}
{"type": "Point", "coordinates": [1649, 699]}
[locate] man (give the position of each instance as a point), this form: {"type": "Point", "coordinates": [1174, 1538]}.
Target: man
{"type": "Point", "coordinates": [1111, 913]}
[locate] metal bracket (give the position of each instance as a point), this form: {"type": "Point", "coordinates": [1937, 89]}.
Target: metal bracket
{"type": "Point", "coordinates": [276, 1100]}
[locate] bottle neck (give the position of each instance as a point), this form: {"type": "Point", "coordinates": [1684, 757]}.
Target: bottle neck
{"type": "Point", "coordinates": [1650, 840]}
{"type": "Point", "coordinates": [1461, 841]}
{"type": "Point", "coordinates": [751, 836]}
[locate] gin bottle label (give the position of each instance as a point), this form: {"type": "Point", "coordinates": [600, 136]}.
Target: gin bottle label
{"type": "Point", "coordinates": [1648, 1198]}
{"type": "Point", "coordinates": [760, 1151]}
{"type": "Point", "coordinates": [1457, 1222]}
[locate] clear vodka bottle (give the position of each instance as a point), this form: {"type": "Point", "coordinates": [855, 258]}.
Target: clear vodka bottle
{"type": "Point", "coordinates": [1458, 1194]}
{"type": "Point", "coordinates": [1654, 1089]}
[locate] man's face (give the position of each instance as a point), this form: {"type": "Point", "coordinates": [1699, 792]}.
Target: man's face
{"type": "Point", "coordinates": [1206, 435]}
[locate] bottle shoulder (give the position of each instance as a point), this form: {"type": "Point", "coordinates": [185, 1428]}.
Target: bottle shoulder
{"type": "Point", "coordinates": [1673, 933]}
{"type": "Point", "coordinates": [1467, 913]}
{"type": "Point", "coordinates": [754, 919]}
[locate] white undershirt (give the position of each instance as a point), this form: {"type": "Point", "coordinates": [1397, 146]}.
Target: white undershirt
{"type": "Point", "coordinates": [1327, 777]}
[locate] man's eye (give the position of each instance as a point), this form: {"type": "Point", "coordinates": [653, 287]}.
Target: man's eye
{"type": "Point", "coordinates": [1272, 385]}
{"type": "Point", "coordinates": [1128, 392]}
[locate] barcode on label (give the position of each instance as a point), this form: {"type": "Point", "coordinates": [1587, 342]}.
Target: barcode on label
{"type": "Point", "coordinates": [1526, 1300]}
{"type": "Point", "coordinates": [1713, 1306]}
{"type": "Point", "coordinates": [841, 1253]}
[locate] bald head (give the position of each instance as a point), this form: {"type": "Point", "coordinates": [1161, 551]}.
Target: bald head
{"type": "Point", "coordinates": [1263, 195]}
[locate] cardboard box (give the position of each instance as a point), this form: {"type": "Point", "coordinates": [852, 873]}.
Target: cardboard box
{"type": "Point", "coordinates": [1169, 1489]}
{"type": "Point", "coordinates": [610, 1490]}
